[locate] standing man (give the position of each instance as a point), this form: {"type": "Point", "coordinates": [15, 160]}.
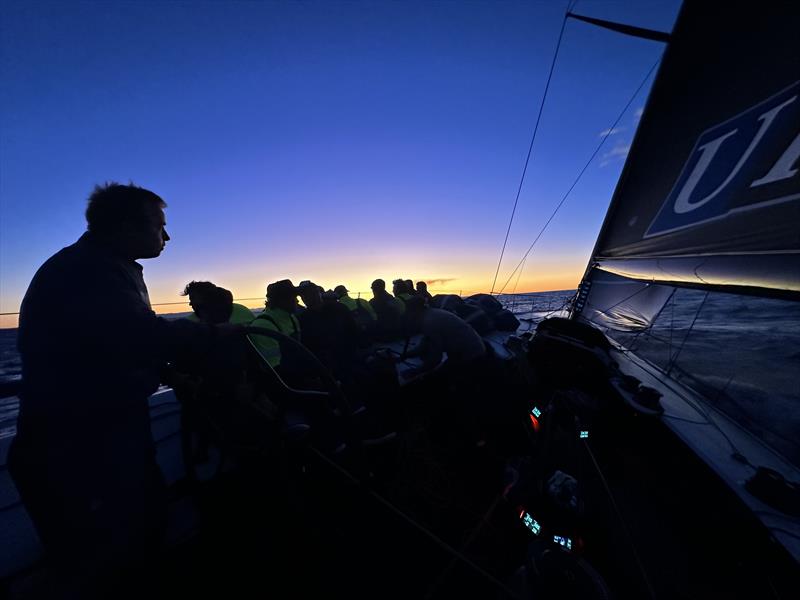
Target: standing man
{"type": "Point", "coordinates": [92, 348]}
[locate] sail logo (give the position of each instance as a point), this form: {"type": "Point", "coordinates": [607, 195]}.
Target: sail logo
{"type": "Point", "coordinates": [744, 163]}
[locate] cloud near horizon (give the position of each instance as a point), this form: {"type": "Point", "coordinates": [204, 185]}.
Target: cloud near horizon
{"type": "Point", "coordinates": [620, 151]}
{"type": "Point", "coordinates": [441, 281]}
{"type": "Point", "coordinates": [612, 131]}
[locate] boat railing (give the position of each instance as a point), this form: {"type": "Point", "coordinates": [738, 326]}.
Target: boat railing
{"type": "Point", "coordinates": [9, 320]}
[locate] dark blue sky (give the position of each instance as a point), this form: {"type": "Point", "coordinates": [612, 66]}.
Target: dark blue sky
{"type": "Point", "coordinates": [338, 141]}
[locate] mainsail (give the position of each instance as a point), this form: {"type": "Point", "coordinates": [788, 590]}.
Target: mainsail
{"type": "Point", "coordinates": [710, 194]}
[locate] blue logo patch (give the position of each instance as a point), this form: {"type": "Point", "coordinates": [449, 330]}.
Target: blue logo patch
{"type": "Point", "coordinates": [747, 162]}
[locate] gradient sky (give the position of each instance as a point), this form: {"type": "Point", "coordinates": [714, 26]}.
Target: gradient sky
{"type": "Point", "coordinates": [332, 141]}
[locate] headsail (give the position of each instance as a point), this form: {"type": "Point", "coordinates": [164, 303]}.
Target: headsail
{"type": "Point", "coordinates": [710, 193]}
{"type": "Point", "coordinates": [709, 198]}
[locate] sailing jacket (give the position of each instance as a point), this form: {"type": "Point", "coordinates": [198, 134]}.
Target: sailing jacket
{"type": "Point", "coordinates": [402, 299]}
{"type": "Point", "coordinates": [240, 315]}
{"type": "Point", "coordinates": [360, 305]}
{"type": "Point", "coordinates": [92, 350]}
{"type": "Point", "coordinates": [275, 319]}
{"type": "Point", "coordinates": [389, 311]}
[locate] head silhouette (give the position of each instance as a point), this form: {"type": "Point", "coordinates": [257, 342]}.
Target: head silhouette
{"type": "Point", "coordinates": [310, 294]}
{"type": "Point", "coordinates": [282, 294]}
{"type": "Point", "coordinates": [128, 218]}
{"type": "Point", "coordinates": [378, 286]}
{"type": "Point", "coordinates": [210, 303]}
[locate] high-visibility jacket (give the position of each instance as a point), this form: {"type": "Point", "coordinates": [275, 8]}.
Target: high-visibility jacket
{"type": "Point", "coordinates": [240, 315]}
{"type": "Point", "coordinates": [359, 305]}
{"type": "Point", "coordinates": [274, 319]}
{"type": "Point", "coordinates": [401, 301]}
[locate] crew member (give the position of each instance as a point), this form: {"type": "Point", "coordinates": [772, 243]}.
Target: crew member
{"type": "Point", "coordinates": [388, 309]}
{"type": "Point", "coordinates": [83, 459]}
{"type": "Point", "coordinates": [329, 330]}
{"type": "Point", "coordinates": [213, 304]}
{"type": "Point", "coordinates": [422, 292]}
{"type": "Point", "coordinates": [443, 333]}
{"type": "Point", "coordinates": [361, 310]}
{"type": "Point", "coordinates": [401, 292]}
{"type": "Point", "coordinates": [277, 316]}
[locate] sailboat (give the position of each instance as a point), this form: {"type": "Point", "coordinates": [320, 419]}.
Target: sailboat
{"type": "Point", "coordinates": [603, 472]}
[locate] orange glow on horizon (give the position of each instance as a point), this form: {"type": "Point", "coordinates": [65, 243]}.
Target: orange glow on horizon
{"type": "Point", "coordinates": [248, 285]}
{"type": "Point", "coordinates": [464, 279]}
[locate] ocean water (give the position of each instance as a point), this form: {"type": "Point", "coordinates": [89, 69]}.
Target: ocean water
{"type": "Point", "coordinates": [741, 353]}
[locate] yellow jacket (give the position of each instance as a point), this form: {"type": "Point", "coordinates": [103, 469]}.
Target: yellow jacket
{"type": "Point", "coordinates": [274, 319]}
{"type": "Point", "coordinates": [354, 304]}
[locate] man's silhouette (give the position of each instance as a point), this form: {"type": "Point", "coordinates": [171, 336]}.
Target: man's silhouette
{"type": "Point", "coordinates": [92, 348]}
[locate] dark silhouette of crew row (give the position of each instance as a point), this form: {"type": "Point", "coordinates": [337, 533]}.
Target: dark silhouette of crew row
{"type": "Point", "coordinates": [331, 324]}
{"type": "Point", "coordinates": [83, 459]}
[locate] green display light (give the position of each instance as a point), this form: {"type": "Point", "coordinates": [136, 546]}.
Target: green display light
{"type": "Point", "coordinates": [564, 542]}
{"type": "Point", "coordinates": [531, 523]}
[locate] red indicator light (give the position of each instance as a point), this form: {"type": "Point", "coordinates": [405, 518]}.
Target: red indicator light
{"type": "Point", "coordinates": [535, 423]}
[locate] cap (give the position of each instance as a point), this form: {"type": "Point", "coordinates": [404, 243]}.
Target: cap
{"type": "Point", "coordinates": [282, 288]}
{"type": "Point", "coordinates": [340, 289]}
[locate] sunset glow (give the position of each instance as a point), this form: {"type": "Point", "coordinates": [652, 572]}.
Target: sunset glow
{"type": "Point", "coordinates": [333, 141]}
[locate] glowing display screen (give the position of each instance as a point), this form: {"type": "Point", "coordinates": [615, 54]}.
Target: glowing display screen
{"type": "Point", "coordinates": [584, 434]}
{"type": "Point", "coordinates": [536, 412]}
{"type": "Point", "coordinates": [564, 542]}
{"type": "Point", "coordinates": [531, 523]}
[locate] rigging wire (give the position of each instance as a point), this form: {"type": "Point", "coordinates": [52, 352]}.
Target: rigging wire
{"type": "Point", "coordinates": [785, 531]}
{"type": "Point", "coordinates": [625, 299]}
{"type": "Point", "coordinates": [671, 325]}
{"type": "Point", "coordinates": [665, 381]}
{"type": "Point", "coordinates": [625, 528]}
{"type": "Point", "coordinates": [578, 178]}
{"type": "Point", "coordinates": [648, 329]}
{"type": "Point", "coordinates": [530, 147]}
{"type": "Point", "coordinates": [668, 382]}
{"type": "Point", "coordinates": [514, 291]}
{"type": "Point", "coordinates": [416, 525]}
{"type": "Point", "coordinates": [672, 366]}
{"type": "Point", "coordinates": [674, 359]}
